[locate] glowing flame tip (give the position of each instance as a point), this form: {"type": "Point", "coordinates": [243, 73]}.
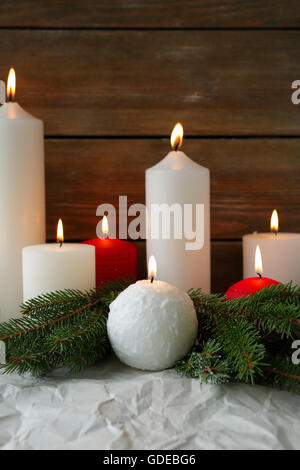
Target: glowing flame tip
{"type": "Point", "coordinates": [177, 136]}
{"type": "Point", "coordinates": [152, 267]}
{"type": "Point", "coordinates": [11, 84]}
{"type": "Point", "coordinates": [60, 232]}
{"type": "Point", "coordinates": [258, 261]}
{"type": "Point", "coordinates": [274, 224]}
{"type": "Point", "coordinates": [104, 224]}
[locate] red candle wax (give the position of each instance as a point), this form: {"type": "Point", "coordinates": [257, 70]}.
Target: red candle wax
{"type": "Point", "coordinates": [249, 287]}
{"type": "Point", "coordinates": [114, 259]}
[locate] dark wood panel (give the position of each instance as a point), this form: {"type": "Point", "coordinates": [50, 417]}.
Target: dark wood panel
{"type": "Point", "coordinates": [226, 268]}
{"type": "Point", "coordinates": [141, 82]}
{"type": "Point", "coordinates": [149, 13]}
{"type": "Point", "coordinates": [249, 177]}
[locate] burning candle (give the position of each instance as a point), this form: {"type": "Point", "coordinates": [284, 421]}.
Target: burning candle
{"type": "Point", "coordinates": [22, 194]}
{"type": "Point", "coordinates": [152, 324]}
{"type": "Point", "coordinates": [115, 258]}
{"type": "Point", "coordinates": [253, 284]}
{"type": "Point", "coordinates": [280, 251]}
{"type": "Point", "coordinates": [182, 187]}
{"type": "Point", "coordinates": [57, 266]}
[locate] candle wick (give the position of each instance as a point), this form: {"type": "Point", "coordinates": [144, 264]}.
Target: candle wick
{"type": "Point", "coordinates": [176, 146]}
{"type": "Point", "coordinates": [152, 279]}
{"type": "Point", "coordinates": [60, 244]}
{"type": "Point", "coordinates": [259, 275]}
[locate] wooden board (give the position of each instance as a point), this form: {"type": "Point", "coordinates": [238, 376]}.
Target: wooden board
{"type": "Point", "coordinates": [139, 83]}
{"type": "Point", "coordinates": [249, 177]}
{"type": "Point", "coordinates": [149, 13]}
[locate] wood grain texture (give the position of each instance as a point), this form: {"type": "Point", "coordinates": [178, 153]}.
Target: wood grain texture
{"type": "Point", "coordinates": [139, 83]}
{"type": "Point", "coordinates": [226, 266]}
{"type": "Point", "coordinates": [149, 13]}
{"type": "Point", "coordinates": [249, 177]}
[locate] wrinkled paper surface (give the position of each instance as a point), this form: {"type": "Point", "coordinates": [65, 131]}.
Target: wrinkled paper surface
{"type": "Point", "coordinates": [111, 406]}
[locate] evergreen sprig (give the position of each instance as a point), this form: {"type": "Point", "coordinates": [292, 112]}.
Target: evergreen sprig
{"type": "Point", "coordinates": [254, 335]}
{"type": "Point", "coordinates": [247, 339]}
{"type": "Point", "coordinates": [64, 328]}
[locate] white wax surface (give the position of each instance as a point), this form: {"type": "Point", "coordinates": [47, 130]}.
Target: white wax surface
{"type": "Point", "coordinates": [49, 267]}
{"type": "Point", "coordinates": [280, 255]}
{"type": "Point", "coordinates": [178, 179]}
{"type": "Point", "coordinates": [152, 325]}
{"type": "Point", "coordinates": [22, 198]}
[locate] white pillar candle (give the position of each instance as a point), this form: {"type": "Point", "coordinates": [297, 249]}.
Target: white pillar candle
{"type": "Point", "coordinates": [178, 180]}
{"type": "Point", "coordinates": [57, 266]}
{"type": "Point", "coordinates": [152, 324]}
{"type": "Point", "coordinates": [280, 253]}
{"type": "Point", "coordinates": [22, 196]}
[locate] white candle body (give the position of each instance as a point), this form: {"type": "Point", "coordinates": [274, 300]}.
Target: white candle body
{"type": "Point", "coordinates": [152, 325]}
{"type": "Point", "coordinates": [22, 198]}
{"type": "Point", "coordinates": [280, 255]}
{"type": "Point", "coordinates": [179, 180]}
{"type": "Point", "coordinates": [49, 267]}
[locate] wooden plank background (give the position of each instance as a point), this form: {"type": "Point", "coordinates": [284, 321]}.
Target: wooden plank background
{"type": "Point", "coordinates": [110, 79]}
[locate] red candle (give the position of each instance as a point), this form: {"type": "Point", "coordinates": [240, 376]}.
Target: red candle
{"type": "Point", "coordinates": [252, 284]}
{"type": "Point", "coordinates": [115, 259]}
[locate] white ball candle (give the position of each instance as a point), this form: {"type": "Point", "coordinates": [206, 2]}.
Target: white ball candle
{"type": "Point", "coordinates": [151, 325]}
{"type": "Point", "coordinates": [280, 253]}
{"type": "Point", "coordinates": [22, 195]}
{"type": "Point", "coordinates": [57, 266]}
{"type": "Point", "coordinates": [184, 186]}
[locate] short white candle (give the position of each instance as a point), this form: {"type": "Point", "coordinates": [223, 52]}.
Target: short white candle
{"type": "Point", "coordinates": [151, 325]}
{"type": "Point", "coordinates": [179, 180]}
{"type": "Point", "coordinates": [280, 252]}
{"type": "Point", "coordinates": [55, 266]}
{"type": "Point", "coordinates": [22, 195]}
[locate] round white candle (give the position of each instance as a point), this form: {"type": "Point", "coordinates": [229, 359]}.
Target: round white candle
{"type": "Point", "coordinates": [50, 267]}
{"type": "Point", "coordinates": [22, 198]}
{"type": "Point", "coordinates": [179, 180]}
{"type": "Point", "coordinates": [151, 325]}
{"type": "Point", "coordinates": [280, 254]}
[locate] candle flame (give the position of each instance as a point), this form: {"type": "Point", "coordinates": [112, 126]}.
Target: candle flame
{"type": "Point", "coordinates": [104, 224]}
{"type": "Point", "coordinates": [60, 232]}
{"type": "Point", "coordinates": [11, 85]}
{"type": "Point", "coordinates": [258, 261]}
{"type": "Point", "coordinates": [152, 267]}
{"type": "Point", "coordinates": [274, 224]}
{"type": "Point", "coordinates": [177, 136]}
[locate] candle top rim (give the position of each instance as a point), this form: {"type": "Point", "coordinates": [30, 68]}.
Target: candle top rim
{"type": "Point", "coordinates": [273, 235]}
{"type": "Point", "coordinates": [13, 111]}
{"type": "Point", "coordinates": [55, 248]}
{"type": "Point", "coordinates": [177, 160]}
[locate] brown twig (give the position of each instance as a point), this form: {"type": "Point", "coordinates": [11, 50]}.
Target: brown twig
{"type": "Point", "coordinates": [280, 372]}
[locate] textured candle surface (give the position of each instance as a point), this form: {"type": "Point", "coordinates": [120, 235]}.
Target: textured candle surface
{"type": "Point", "coordinates": [280, 255]}
{"type": "Point", "coordinates": [115, 259]}
{"type": "Point", "coordinates": [22, 198]}
{"type": "Point", "coordinates": [152, 325]}
{"type": "Point", "coordinates": [178, 180]}
{"type": "Point", "coordinates": [249, 286]}
{"type": "Point", "coordinates": [49, 267]}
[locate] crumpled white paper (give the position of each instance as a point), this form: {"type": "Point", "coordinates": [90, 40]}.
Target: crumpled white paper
{"type": "Point", "coordinates": [114, 407]}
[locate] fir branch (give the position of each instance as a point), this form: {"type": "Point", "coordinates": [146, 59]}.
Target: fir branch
{"type": "Point", "coordinates": [242, 344]}
{"type": "Point", "coordinates": [208, 365]}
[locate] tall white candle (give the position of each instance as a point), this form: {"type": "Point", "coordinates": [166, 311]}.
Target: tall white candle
{"type": "Point", "coordinates": [180, 181]}
{"type": "Point", "coordinates": [22, 195]}
{"type": "Point", "coordinates": [57, 266]}
{"type": "Point", "coordinates": [280, 253]}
